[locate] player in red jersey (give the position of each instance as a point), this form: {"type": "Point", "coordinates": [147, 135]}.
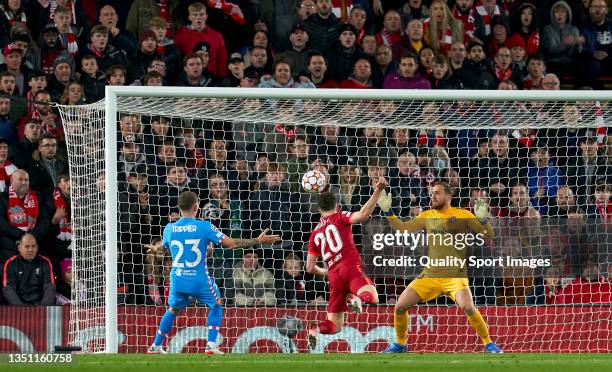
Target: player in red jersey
{"type": "Point", "coordinates": [332, 240]}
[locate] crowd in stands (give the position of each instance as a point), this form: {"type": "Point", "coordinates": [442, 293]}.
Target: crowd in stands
{"type": "Point", "coordinates": [247, 175]}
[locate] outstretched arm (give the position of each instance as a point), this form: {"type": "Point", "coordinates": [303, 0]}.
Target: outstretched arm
{"type": "Point", "coordinates": [263, 238]}
{"type": "Point", "coordinates": [312, 268]}
{"type": "Point", "coordinates": [367, 209]}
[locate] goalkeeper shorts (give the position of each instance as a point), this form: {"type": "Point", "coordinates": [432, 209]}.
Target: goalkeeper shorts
{"type": "Point", "coordinates": [430, 288]}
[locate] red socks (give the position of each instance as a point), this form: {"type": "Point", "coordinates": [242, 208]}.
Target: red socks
{"type": "Point", "coordinates": [327, 327]}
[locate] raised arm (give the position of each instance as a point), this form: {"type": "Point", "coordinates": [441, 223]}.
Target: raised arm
{"type": "Point", "coordinates": [367, 209]}
{"type": "Point", "coordinates": [384, 203]}
{"type": "Point", "coordinates": [482, 222]}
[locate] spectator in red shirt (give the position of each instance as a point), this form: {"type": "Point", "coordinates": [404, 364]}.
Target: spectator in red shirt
{"type": "Point", "coordinates": [197, 31]}
{"type": "Point", "coordinates": [6, 167]}
{"type": "Point", "coordinates": [526, 28]}
{"type": "Point", "coordinates": [361, 78]}
{"type": "Point", "coordinates": [392, 29]}
{"type": "Point", "coordinates": [589, 288]}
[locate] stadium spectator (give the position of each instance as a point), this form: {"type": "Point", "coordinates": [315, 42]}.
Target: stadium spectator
{"type": "Point", "coordinates": [516, 282]}
{"type": "Point", "coordinates": [426, 56]}
{"type": "Point", "coordinates": [51, 49]}
{"type": "Point", "coordinates": [525, 27]}
{"type": "Point", "coordinates": [12, 64]}
{"type": "Point", "coordinates": [93, 80]}
{"type": "Point", "coordinates": [561, 41]}
{"type": "Point", "coordinates": [441, 76]}
{"type": "Point", "coordinates": [141, 13]}
{"type": "Point", "coordinates": [519, 206]}
{"type": "Point", "coordinates": [21, 211]}
{"type": "Point", "coordinates": [62, 19]}
{"type": "Point", "coordinates": [130, 128]}
{"type": "Point", "coordinates": [146, 53]}
{"type": "Point", "coordinates": [406, 77]}
{"type": "Point", "coordinates": [194, 155]}
{"type": "Point", "coordinates": [216, 162]}
{"type": "Point", "coordinates": [28, 276]}
{"type": "Point", "coordinates": [457, 55]}
{"type": "Point", "coordinates": [258, 60]}
{"type": "Point", "coordinates": [565, 201]}
{"type": "Point", "coordinates": [235, 67]}
{"type": "Point", "coordinates": [106, 54]}
{"type": "Point", "coordinates": [584, 170]}
{"type": "Point", "coordinates": [6, 167]}
{"type": "Point", "coordinates": [46, 167]}
{"type": "Point", "coordinates": [61, 221]}
{"type": "Point", "coordinates": [7, 128]}
{"type": "Point", "coordinates": [391, 32]}
{"type": "Point", "coordinates": [357, 18]}
{"type": "Point", "coordinates": [298, 162]}
{"type": "Point", "coordinates": [361, 78]}
{"type": "Point", "coordinates": [411, 41]}
{"type": "Point", "coordinates": [519, 56]}
{"type": "Point", "coordinates": [166, 48]}
{"type": "Point", "coordinates": [551, 82]}
{"type": "Point", "coordinates": [193, 73]}
{"type": "Point", "coordinates": [405, 180]}
{"type": "Point", "coordinates": [306, 8]}
{"type": "Point", "coordinates": [475, 72]}
{"type": "Point", "coordinates": [384, 65]}
{"type": "Point", "coordinates": [499, 36]}
{"type": "Point", "coordinates": [273, 205]}
{"type": "Point", "coordinates": [368, 45]}
{"type": "Point", "coordinates": [504, 69]}
{"type": "Point", "coordinates": [343, 53]}
{"type": "Point", "coordinates": [465, 12]}
{"type": "Point", "coordinates": [123, 40]}
{"type": "Point", "coordinates": [441, 29]}
{"type": "Point", "coordinates": [543, 179]}
{"type": "Point", "coordinates": [169, 187]}
{"type": "Point", "coordinates": [165, 157]}
{"type": "Point", "coordinates": [282, 78]}
{"type": "Point", "coordinates": [598, 43]}
{"type": "Point", "coordinates": [601, 207]}
{"type": "Point", "coordinates": [20, 153]}
{"type": "Point", "coordinates": [330, 144]}
{"type": "Point", "coordinates": [414, 9]}
{"type": "Point", "coordinates": [12, 12]}
{"type": "Point", "coordinates": [198, 31]}
{"type": "Point", "coordinates": [58, 82]}
{"type": "Point", "coordinates": [116, 75]}
{"type": "Point", "coordinates": [37, 81]}
{"type": "Point", "coordinates": [323, 27]}
{"type": "Point", "coordinates": [130, 157]}
{"type": "Point", "coordinates": [253, 284]}
{"type": "Point", "coordinates": [500, 170]}
{"type": "Point", "coordinates": [316, 71]}
{"type": "Point", "coordinates": [297, 54]}
{"type": "Point", "coordinates": [294, 287]}
{"type": "Point", "coordinates": [535, 72]}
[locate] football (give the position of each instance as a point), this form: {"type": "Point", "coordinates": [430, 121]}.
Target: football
{"type": "Point", "coordinates": [314, 181]}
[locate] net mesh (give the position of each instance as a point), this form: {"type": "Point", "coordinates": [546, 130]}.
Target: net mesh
{"type": "Point", "coordinates": [533, 160]}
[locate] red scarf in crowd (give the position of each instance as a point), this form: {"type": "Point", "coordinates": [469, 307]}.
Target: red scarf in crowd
{"type": "Point", "coordinates": [71, 43]}
{"type": "Point", "coordinates": [469, 23]}
{"type": "Point", "coordinates": [604, 211]}
{"type": "Point", "coordinates": [6, 171]}
{"type": "Point", "coordinates": [526, 141]}
{"type": "Point", "coordinates": [22, 213]}
{"type": "Point", "coordinates": [229, 9]}
{"type": "Point", "coordinates": [445, 38]}
{"type": "Point", "coordinates": [45, 128]}
{"type": "Point", "coordinates": [388, 38]}
{"type": "Point", "coordinates": [12, 19]}
{"type": "Point", "coordinates": [503, 75]}
{"type": "Point", "coordinates": [289, 132]}
{"type": "Point", "coordinates": [486, 18]}
{"type": "Point", "coordinates": [64, 224]}
{"type": "Point", "coordinates": [360, 35]}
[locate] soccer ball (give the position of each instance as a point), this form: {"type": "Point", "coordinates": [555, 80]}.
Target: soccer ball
{"type": "Point", "coordinates": [314, 181]}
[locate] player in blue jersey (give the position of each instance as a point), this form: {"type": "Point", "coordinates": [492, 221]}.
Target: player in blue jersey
{"type": "Point", "coordinates": [187, 239]}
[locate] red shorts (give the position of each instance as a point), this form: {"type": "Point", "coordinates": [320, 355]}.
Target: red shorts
{"type": "Point", "coordinates": [342, 282]}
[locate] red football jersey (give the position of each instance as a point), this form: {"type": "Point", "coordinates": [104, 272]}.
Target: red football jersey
{"type": "Point", "coordinates": [332, 240]}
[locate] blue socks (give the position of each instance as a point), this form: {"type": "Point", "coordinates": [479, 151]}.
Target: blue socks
{"type": "Point", "coordinates": [164, 327]}
{"type": "Point", "coordinates": [214, 322]}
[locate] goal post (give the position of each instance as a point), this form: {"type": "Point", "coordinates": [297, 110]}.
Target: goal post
{"type": "Point", "coordinates": [94, 144]}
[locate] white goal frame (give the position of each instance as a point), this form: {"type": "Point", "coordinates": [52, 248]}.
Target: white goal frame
{"type": "Point", "coordinates": [115, 92]}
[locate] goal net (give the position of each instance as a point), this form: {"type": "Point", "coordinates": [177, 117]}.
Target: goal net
{"type": "Point", "coordinates": [541, 160]}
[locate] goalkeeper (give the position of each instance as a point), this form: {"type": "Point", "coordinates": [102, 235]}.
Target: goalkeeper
{"type": "Point", "coordinates": [435, 281]}
{"type": "Point", "coordinates": [187, 239]}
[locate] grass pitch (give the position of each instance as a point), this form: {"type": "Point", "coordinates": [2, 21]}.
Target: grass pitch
{"type": "Point", "coordinates": [326, 362]}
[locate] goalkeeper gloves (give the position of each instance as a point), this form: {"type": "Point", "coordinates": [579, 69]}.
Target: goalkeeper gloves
{"type": "Point", "coordinates": [384, 203]}
{"type": "Point", "coordinates": [481, 210]}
